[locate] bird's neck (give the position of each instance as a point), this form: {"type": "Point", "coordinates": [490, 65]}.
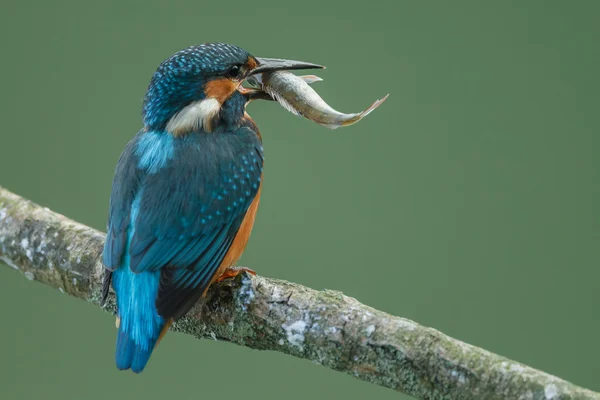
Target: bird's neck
{"type": "Point", "coordinates": [206, 114]}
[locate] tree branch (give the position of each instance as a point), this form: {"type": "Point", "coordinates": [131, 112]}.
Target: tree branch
{"type": "Point", "coordinates": [325, 327]}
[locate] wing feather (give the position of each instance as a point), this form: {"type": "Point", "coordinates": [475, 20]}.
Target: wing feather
{"type": "Point", "coordinates": [190, 211]}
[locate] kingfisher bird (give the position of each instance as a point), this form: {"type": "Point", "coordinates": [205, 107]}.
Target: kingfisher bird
{"type": "Point", "coordinates": [185, 192]}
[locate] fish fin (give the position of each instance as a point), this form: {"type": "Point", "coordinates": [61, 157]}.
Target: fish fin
{"type": "Point", "coordinates": [310, 79]}
{"type": "Point", "coordinates": [279, 98]}
{"type": "Point", "coordinates": [333, 126]}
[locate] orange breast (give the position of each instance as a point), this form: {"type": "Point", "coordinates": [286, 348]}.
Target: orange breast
{"type": "Point", "coordinates": [233, 254]}
{"type": "Point", "coordinates": [240, 241]}
{"type": "Point", "coordinates": [252, 125]}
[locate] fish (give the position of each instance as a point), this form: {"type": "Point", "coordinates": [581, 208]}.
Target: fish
{"type": "Point", "coordinates": [255, 91]}
{"type": "Point", "coordinates": [294, 93]}
{"type": "Point", "coordinates": [310, 79]}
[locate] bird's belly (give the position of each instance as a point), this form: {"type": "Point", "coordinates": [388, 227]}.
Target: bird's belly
{"type": "Point", "coordinates": [241, 239]}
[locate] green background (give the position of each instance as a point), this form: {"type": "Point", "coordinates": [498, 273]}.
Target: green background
{"type": "Point", "coordinates": [468, 202]}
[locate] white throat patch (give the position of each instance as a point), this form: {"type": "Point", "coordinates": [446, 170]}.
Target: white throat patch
{"type": "Point", "coordinates": [194, 116]}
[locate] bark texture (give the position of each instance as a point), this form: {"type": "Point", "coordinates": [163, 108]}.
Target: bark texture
{"type": "Point", "coordinates": [325, 327]}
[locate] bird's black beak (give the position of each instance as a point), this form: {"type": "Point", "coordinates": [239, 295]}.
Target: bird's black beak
{"type": "Point", "coordinates": [276, 64]}
{"type": "Point", "coordinates": [270, 65]}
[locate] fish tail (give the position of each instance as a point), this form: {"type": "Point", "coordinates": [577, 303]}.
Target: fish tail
{"type": "Point", "coordinates": [357, 117]}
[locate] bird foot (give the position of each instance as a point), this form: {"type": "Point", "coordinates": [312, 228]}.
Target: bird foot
{"type": "Point", "coordinates": [232, 272]}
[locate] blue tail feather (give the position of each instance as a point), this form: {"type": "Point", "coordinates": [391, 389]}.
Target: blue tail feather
{"type": "Point", "coordinates": [140, 359]}
{"type": "Point", "coordinates": [131, 355]}
{"type": "Point", "coordinates": [125, 350]}
{"type": "Point", "coordinates": [140, 324]}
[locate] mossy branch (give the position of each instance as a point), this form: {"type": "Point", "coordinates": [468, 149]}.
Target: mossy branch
{"type": "Point", "coordinates": [325, 327]}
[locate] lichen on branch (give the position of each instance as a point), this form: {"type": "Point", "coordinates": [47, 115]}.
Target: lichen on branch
{"type": "Point", "coordinates": [325, 327]}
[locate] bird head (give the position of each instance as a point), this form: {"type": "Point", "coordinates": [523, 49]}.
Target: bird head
{"type": "Point", "coordinates": [201, 87]}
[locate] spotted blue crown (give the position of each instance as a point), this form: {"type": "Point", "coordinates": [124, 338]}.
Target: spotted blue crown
{"type": "Point", "coordinates": [179, 80]}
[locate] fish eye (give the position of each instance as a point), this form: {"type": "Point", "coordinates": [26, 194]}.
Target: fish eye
{"type": "Point", "coordinates": [234, 72]}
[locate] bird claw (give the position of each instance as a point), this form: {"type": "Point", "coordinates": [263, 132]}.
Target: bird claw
{"type": "Point", "coordinates": [232, 272]}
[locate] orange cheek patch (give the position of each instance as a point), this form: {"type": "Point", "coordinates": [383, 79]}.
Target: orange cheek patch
{"type": "Point", "coordinates": [220, 89]}
{"type": "Point", "coordinates": [251, 63]}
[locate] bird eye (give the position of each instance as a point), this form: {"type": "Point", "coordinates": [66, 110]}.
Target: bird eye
{"type": "Point", "coordinates": [234, 71]}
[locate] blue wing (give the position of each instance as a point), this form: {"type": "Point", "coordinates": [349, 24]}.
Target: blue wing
{"type": "Point", "coordinates": [193, 193]}
{"type": "Point", "coordinates": [124, 189]}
